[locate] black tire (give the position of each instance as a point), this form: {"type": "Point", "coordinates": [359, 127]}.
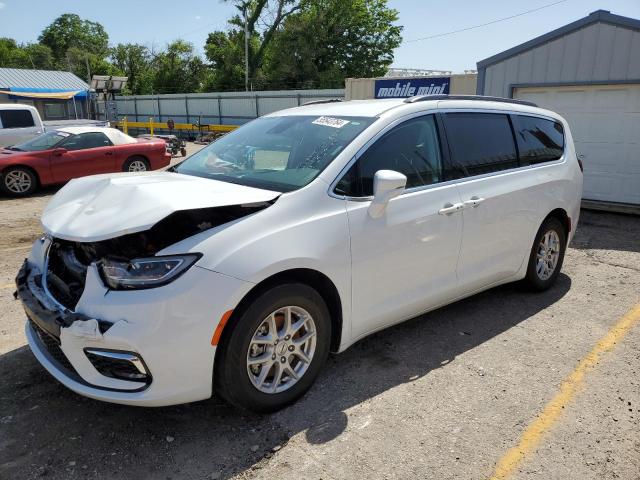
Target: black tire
{"type": "Point", "coordinates": [534, 280]}
{"type": "Point", "coordinates": [231, 377]}
{"type": "Point", "coordinates": [18, 182]}
{"type": "Point", "coordinates": [183, 152]}
{"type": "Point", "coordinates": [136, 160]}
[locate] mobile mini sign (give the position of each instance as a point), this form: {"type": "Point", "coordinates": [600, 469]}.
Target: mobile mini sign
{"type": "Point", "coordinates": [412, 86]}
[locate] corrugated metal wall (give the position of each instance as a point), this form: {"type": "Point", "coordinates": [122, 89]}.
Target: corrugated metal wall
{"type": "Point", "coordinates": [229, 108]}
{"type": "Point", "coordinates": [597, 53]}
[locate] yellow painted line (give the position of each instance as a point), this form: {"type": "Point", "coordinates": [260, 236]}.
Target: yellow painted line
{"type": "Point", "coordinates": [542, 424]}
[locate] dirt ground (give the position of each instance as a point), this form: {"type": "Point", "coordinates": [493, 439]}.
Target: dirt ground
{"type": "Point", "coordinates": [442, 396]}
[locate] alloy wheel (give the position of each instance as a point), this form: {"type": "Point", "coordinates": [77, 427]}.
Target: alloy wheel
{"type": "Point", "coordinates": [547, 255]}
{"type": "Point", "coordinates": [137, 166]}
{"type": "Point", "coordinates": [281, 349]}
{"type": "Point", "coordinates": [17, 181]}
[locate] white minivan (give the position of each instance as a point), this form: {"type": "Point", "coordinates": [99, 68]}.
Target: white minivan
{"type": "Point", "coordinates": [237, 271]}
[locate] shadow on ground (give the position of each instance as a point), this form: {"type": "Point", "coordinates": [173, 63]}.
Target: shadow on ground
{"type": "Point", "coordinates": [48, 430]}
{"type": "Point", "coordinates": [41, 192]}
{"type": "Point", "coordinates": [607, 231]}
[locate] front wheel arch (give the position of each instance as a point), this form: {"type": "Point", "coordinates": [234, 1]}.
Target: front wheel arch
{"type": "Point", "coordinates": [229, 379]}
{"type": "Point", "coordinates": [314, 279]}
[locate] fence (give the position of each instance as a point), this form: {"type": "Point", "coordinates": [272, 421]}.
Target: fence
{"type": "Point", "coordinates": [229, 108]}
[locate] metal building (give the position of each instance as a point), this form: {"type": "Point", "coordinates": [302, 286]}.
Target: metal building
{"type": "Point", "coordinates": [589, 72]}
{"type": "Point", "coordinates": [57, 95]}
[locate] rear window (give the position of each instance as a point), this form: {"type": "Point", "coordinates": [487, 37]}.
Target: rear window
{"type": "Point", "coordinates": [479, 143]}
{"type": "Point", "coordinates": [16, 118]}
{"type": "Point", "coordinates": [539, 140]}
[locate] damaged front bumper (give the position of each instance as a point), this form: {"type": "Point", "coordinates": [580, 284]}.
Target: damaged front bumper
{"type": "Point", "coordinates": [46, 321]}
{"type": "Point", "coordinates": [162, 335]}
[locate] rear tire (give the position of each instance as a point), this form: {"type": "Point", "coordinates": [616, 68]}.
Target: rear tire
{"type": "Point", "coordinates": [238, 368]}
{"type": "Point", "coordinates": [136, 164]}
{"type": "Point", "coordinates": [547, 255]}
{"type": "Point", "coordinates": [18, 182]}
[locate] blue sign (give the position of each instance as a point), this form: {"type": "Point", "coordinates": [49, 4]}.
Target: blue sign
{"type": "Point", "coordinates": [408, 87]}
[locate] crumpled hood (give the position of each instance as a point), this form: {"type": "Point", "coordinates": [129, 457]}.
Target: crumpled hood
{"type": "Point", "coordinates": [100, 207]}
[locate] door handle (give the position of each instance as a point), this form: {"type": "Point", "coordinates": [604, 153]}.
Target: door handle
{"type": "Point", "coordinates": [450, 208]}
{"type": "Point", "coordinates": [473, 202]}
{"type": "Point", "coordinates": [108, 153]}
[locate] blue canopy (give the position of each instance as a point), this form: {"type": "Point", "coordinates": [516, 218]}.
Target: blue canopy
{"type": "Point", "coordinates": [80, 94]}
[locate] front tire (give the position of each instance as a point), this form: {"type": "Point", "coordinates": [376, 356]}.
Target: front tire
{"type": "Point", "coordinates": [547, 255]}
{"type": "Point", "coordinates": [18, 182]}
{"type": "Point", "coordinates": [136, 164]}
{"type": "Point", "coordinates": [274, 350]}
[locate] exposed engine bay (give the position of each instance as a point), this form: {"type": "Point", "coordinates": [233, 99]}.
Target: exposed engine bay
{"type": "Point", "coordinates": [68, 261]}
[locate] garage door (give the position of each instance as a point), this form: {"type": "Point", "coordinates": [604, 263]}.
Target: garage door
{"type": "Point", "coordinates": [605, 122]}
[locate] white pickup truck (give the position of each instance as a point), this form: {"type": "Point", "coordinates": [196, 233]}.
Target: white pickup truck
{"type": "Point", "coordinates": [19, 123]}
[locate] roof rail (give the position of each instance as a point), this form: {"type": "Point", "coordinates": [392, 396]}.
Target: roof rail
{"type": "Point", "coordinates": [327, 100]}
{"type": "Point", "coordinates": [424, 98]}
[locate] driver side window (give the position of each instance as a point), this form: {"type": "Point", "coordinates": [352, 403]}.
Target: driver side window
{"type": "Point", "coordinates": [411, 148]}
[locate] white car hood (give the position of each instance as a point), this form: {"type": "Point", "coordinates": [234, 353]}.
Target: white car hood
{"type": "Point", "coordinates": [100, 207]}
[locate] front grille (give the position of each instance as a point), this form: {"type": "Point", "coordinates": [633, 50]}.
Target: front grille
{"type": "Point", "coordinates": [52, 345]}
{"type": "Point", "coordinates": [66, 273]}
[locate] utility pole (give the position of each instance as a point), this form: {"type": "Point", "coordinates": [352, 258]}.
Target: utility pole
{"type": "Point", "coordinates": [246, 49]}
{"type": "Point", "coordinates": [86, 59]}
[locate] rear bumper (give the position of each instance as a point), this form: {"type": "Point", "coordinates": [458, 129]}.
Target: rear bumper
{"type": "Point", "coordinates": [161, 161]}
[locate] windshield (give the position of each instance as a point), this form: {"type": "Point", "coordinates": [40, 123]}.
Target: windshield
{"type": "Point", "coordinates": [276, 153]}
{"type": "Point", "coordinates": [41, 142]}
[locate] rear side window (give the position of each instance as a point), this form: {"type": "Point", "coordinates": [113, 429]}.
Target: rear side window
{"type": "Point", "coordinates": [539, 140]}
{"type": "Point", "coordinates": [479, 143]}
{"type": "Point", "coordinates": [95, 140]}
{"type": "Point", "coordinates": [86, 140]}
{"type": "Point", "coordinates": [412, 148]}
{"type": "Point", "coordinates": [16, 118]}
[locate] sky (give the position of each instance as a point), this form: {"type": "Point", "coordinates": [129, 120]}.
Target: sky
{"type": "Point", "coordinates": [155, 23]}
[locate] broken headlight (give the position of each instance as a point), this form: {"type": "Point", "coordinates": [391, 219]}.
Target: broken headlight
{"type": "Point", "coordinates": [142, 273]}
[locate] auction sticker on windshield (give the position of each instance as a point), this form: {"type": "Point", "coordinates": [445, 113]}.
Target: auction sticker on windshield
{"type": "Point", "coordinates": [330, 122]}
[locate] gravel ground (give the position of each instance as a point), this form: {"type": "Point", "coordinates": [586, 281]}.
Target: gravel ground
{"type": "Point", "coordinates": [442, 396]}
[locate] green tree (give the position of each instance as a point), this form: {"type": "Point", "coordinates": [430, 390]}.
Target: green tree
{"type": "Point", "coordinates": [225, 50]}
{"type": "Point", "coordinates": [178, 69]}
{"type": "Point", "coordinates": [30, 55]}
{"type": "Point", "coordinates": [69, 30]}
{"type": "Point", "coordinates": [303, 43]}
{"type": "Point", "coordinates": [330, 40]}
{"type": "Point", "coordinates": [134, 61]}
{"type": "Point", "coordinates": [76, 60]}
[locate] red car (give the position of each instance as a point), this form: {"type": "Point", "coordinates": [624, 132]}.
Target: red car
{"type": "Point", "coordinates": [60, 155]}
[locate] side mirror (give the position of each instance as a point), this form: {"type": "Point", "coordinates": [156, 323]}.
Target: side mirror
{"type": "Point", "coordinates": [387, 184]}
{"type": "Point", "coordinates": [58, 152]}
